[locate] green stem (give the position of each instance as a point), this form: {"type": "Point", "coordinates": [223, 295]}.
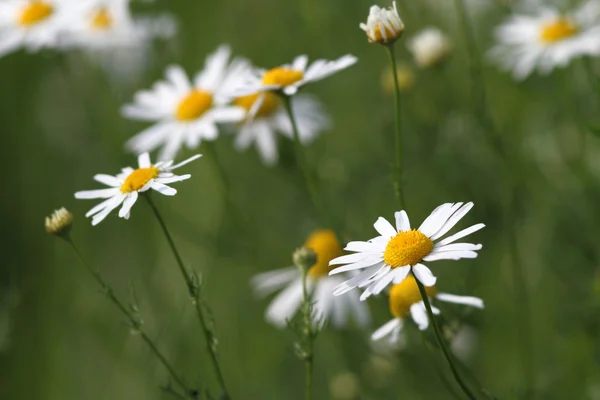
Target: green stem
{"type": "Point", "coordinates": [311, 185]}
{"type": "Point", "coordinates": [442, 342]}
{"type": "Point", "coordinates": [194, 292]}
{"type": "Point", "coordinates": [135, 322]}
{"type": "Point", "coordinates": [398, 187]}
{"type": "Point", "coordinates": [309, 335]}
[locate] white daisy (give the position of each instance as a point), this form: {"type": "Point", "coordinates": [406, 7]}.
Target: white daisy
{"type": "Point", "coordinates": [547, 40]}
{"type": "Point", "coordinates": [288, 78]}
{"type": "Point", "coordinates": [126, 186]}
{"type": "Point", "coordinates": [186, 113]}
{"type": "Point", "coordinates": [391, 257]}
{"type": "Point", "coordinates": [266, 116]}
{"type": "Point", "coordinates": [337, 310]}
{"type": "Point", "coordinates": [383, 25]}
{"type": "Point", "coordinates": [405, 300]}
{"type": "Point", "coordinates": [429, 47]}
{"type": "Point", "coordinates": [30, 24]}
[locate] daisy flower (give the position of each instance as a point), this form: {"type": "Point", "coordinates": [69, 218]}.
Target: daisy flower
{"type": "Point", "coordinates": [383, 25]}
{"type": "Point", "coordinates": [405, 300]}
{"type": "Point", "coordinates": [391, 256]}
{"type": "Point", "coordinates": [126, 186]}
{"type": "Point", "coordinates": [547, 40]}
{"type": "Point", "coordinates": [185, 112]}
{"type": "Point", "coordinates": [288, 78]}
{"type": "Point", "coordinates": [266, 117]}
{"type": "Point", "coordinates": [338, 310]}
{"type": "Point", "coordinates": [430, 47]}
{"type": "Point", "coordinates": [30, 24]}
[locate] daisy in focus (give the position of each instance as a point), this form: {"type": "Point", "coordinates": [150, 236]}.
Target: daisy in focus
{"type": "Point", "coordinates": [337, 310]}
{"type": "Point", "coordinates": [185, 112]}
{"type": "Point", "coordinates": [390, 257]}
{"type": "Point", "coordinates": [405, 300]}
{"type": "Point", "coordinates": [30, 24]}
{"type": "Point", "coordinates": [430, 47]}
{"type": "Point", "coordinates": [266, 117]}
{"type": "Point", "coordinates": [547, 40]}
{"type": "Point", "coordinates": [126, 186]}
{"type": "Point", "coordinates": [288, 78]}
{"type": "Point", "coordinates": [383, 25]}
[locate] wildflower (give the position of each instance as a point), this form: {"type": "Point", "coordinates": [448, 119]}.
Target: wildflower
{"type": "Point", "coordinates": [391, 256]}
{"type": "Point", "coordinates": [60, 222]}
{"type": "Point", "coordinates": [326, 307]}
{"type": "Point", "coordinates": [383, 26]}
{"type": "Point", "coordinates": [126, 186]}
{"type": "Point", "coordinates": [547, 40]}
{"type": "Point", "coordinates": [288, 78]}
{"type": "Point", "coordinates": [186, 113]}
{"type": "Point", "coordinates": [430, 47]}
{"type": "Point", "coordinates": [405, 299]}
{"type": "Point", "coordinates": [30, 24]}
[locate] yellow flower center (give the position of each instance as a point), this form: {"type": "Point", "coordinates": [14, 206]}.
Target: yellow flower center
{"type": "Point", "coordinates": [138, 179]}
{"type": "Point", "coordinates": [269, 104]}
{"type": "Point", "coordinates": [282, 76]}
{"type": "Point", "coordinates": [557, 30]}
{"type": "Point", "coordinates": [325, 244]}
{"type": "Point", "coordinates": [194, 105]}
{"type": "Point", "coordinates": [405, 294]}
{"type": "Point", "coordinates": [101, 19]}
{"type": "Point", "coordinates": [378, 37]}
{"type": "Point", "coordinates": [407, 248]}
{"type": "Point", "coordinates": [35, 12]}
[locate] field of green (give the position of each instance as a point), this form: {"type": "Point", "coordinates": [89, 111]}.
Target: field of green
{"type": "Point", "coordinates": [538, 272]}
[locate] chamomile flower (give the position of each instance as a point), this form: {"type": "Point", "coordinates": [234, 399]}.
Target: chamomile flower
{"type": "Point", "coordinates": [405, 300]}
{"type": "Point", "coordinates": [391, 256]}
{"type": "Point", "coordinates": [383, 25]}
{"type": "Point", "coordinates": [430, 47]}
{"type": "Point", "coordinates": [337, 310]}
{"type": "Point", "coordinates": [126, 186]}
{"type": "Point", "coordinates": [288, 78]}
{"type": "Point", "coordinates": [30, 24]}
{"type": "Point", "coordinates": [547, 40]}
{"type": "Point", "coordinates": [185, 112]}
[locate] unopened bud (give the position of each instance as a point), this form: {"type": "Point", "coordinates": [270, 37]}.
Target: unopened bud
{"type": "Point", "coordinates": [305, 258]}
{"type": "Point", "coordinates": [60, 222]}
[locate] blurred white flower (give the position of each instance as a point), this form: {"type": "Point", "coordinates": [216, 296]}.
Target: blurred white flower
{"type": "Point", "coordinates": [430, 47]}
{"type": "Point", "coordinates": [186, 113]}
{"type": "Point", "coordinates": [266, 116]}
{"type": "Point", "coordinates": [289, 78]}
{"type": "Point", "coordinates": [31, 24]}
{"type": "Point", "coordinates": [337, 310]}
{"type": "Point", "coordinates": [405, 299]}
{"type": "Point", "coordinates": [391, 256]}
{"type": "Point", "coordinates": [383, 25]}
{"type": "Point", "coordinates": [547, 40]}
{"type": "Point", "coordinates": [126, 186]}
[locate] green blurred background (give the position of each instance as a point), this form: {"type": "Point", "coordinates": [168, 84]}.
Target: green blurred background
{"type": "Point", "coordinates": [60, 125]}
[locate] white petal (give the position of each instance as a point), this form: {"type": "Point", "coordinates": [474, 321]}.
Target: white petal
{"type": "Point", "coordinates": [97, 194]}
{"type": "Point", "coordinates": [384, 228]}
{"type": "Point", "coordinates": [351, 258]}
{"type": "Point", "coordinates": [144, 160]}
{"type": "Point", "coordinates": [387, 329]}
{"type": "Point", "coordinates": [181, 164]}
{"type": "Point", "coordinates": [438, 218]}
{"type": "Point", "coordinates": [419, 315]}
{"type": "Point", "coordinates": [357, 279]}
{"type": "Point", "coordinates": [163, 189]}
{"type": "Point", "coordinates": [364, 247]}
{"type": "Point", "coordinates": [268, 282]}
{"type": "Point", "coordinates": [466, 300]}
{"type": "Point", "coordinates": [401, 274]}
{"type": "Point", "coordinates": [402, 221]}
{"type": "Point", "coordinates": [130, 200]}
{"type": "Point", "coordinates": [450, 255]}
{"type": "Point", "coordinates": [453, 220]}
{"type": "Point", "coordinates": [116, 201]}
{"type": "Point", "coordinates": [461, 234]}
{"type": "Point", "coordinates": [357, 265]}
{"type": "Point", "coordinates": [424, 275]}
{"type": "Point", "coordinates": [285, 304]}
{"type": "Point", "coordinates": [458, 246]}
{"type": "Point", "coordinates": [108, 180]}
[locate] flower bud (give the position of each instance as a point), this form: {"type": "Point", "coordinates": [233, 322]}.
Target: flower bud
{"type": "Point", "coordinates": [304, 258]}
{"type": "Point", "coordinates": [383, 26]}
{"type": "Point", "coordinates": [60, 222]}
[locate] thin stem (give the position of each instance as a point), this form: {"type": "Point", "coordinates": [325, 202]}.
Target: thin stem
{"type": "Point", "coordinates": [398, 187]}
{"type": "Point", "coordinates": [309, 336]}
{"type": "Point", "coordinates": [442, 343]}
{"type": "Point", "coordinates": [135, 322]}
{"type": "Point", "coordinates": [311, 185]}
{"type": "Point", "coordinates": [194, 292]}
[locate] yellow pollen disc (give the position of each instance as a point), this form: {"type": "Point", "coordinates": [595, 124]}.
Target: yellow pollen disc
{"type": "Point", "coordinates": [268, 106]}
{"type": "Point", "coordinates": [378, 37]}
{"type": "Point", "coordinates": [101, 19]}
{"type": "Point", "coordinates": [407, 248]}
{"type": "Point", "coordinates": [325, 244]}
{"type": "Point", "coordinates": [557, 30]}
{"type": "Point", "coordinates": [282, 76]}
{"type": "Point", "coordinates": [138, 179]}
{"type": "Point", "coordinates": [194, 105]}
{"type": "Point", "coordinates": [35, 12]}
{"type": "Point", "coordinates": [405, 294]}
